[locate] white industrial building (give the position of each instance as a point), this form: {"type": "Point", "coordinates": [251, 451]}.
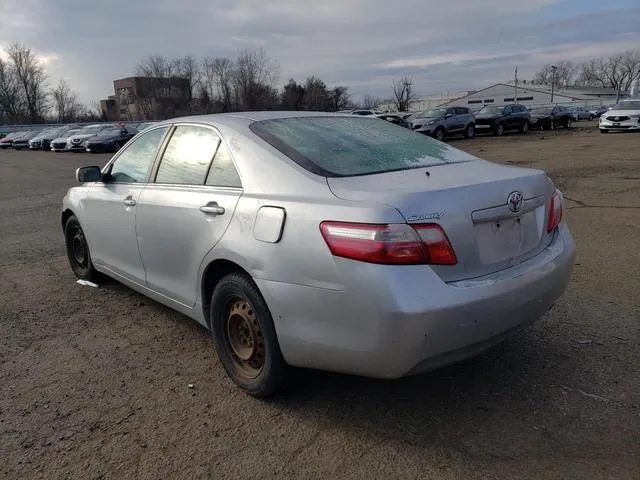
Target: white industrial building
{"type": "Point", "coordinates": [503, 93]}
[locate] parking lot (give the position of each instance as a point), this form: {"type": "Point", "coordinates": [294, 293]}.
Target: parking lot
{"type": "Point", "coordinates": [95, 382]}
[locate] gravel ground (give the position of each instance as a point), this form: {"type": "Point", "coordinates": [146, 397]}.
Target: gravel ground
{"type": "Point", "coordinates": [94, 382]}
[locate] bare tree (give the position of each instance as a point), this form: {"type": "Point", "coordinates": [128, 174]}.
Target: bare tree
{"type": "Point", "coordinates": [155, 66]}
{"type": "Point", "coordinates": [31, 80]}
{"type": "Point", "coordinates": [403, 93]}
{"type": "Point", "coordinates": [292, 96]}
{"type": "Point", "coordinates": [617, 72]}
{"type": "Point", "coordinates": [252, 68]}
{"type": "Point", "coordinates": [187, 67]}
{"type": "Point", "coordinates": [65, 102]}
{"type": "Point", "coordinates": [340, 98]}
{"type": "Point", "coordinates": [10, 101]}
{"type": "Point", "coordinates": [370, 101]}
{"type": "Point", "coordinates": [565, 72]}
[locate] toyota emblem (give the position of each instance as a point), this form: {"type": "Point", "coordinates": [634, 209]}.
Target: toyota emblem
{"type": "Point", "coordinates": [515, 201]}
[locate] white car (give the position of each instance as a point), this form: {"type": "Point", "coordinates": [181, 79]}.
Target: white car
{"type": "Point", "coordinates": [60, 144]}
{"type": "Point", "coordinates": [75, 143]}
{"type": "Point", "coordinates": [624, 116]}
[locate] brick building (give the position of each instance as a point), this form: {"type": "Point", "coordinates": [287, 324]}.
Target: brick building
{"type": "Point", "coordinates": [147, 98]}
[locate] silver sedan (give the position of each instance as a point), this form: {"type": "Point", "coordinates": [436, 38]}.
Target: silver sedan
{"type": "Point", "coordinates": [334, 242]}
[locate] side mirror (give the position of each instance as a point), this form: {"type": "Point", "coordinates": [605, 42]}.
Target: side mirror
{"type": "Point", "coordinates": [88, 174]}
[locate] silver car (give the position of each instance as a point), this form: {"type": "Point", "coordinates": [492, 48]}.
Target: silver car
{"type": "Point", "coordinates": [334, 242]}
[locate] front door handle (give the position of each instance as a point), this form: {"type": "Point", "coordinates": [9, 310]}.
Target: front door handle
{"type": "Point", "coordinates": [129, 202]}
{"type": "Point", "coordinates": [212, 208]}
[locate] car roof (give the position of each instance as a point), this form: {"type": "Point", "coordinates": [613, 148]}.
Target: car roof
{"type": "Point", "coordinates": [246, 118]}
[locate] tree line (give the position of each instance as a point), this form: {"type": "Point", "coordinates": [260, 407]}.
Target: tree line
{"type": "Point", "coordinates": [248, 82]}
{"type": "Point", "coordinates": [618, 72]}
{"type": "Point", "coordinates": [26, 97]}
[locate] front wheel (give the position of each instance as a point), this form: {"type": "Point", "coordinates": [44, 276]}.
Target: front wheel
{"type": "Point", "coordinates": [470, 131]}
{"type": "Point", "coordinates": [525, 127]}
{"type": "Point", "coordinates": [245, 337]}
{"type": "Point", "coordinates": [78, 251]}
{"type": "Point", "coordinates": [590, 117]}
{"type": "Point", "coordinates": [569, 123]}
{"type": "Point", "coordinates": [499, 130]}
{"type": "Point", "coordinates": [439, 134]}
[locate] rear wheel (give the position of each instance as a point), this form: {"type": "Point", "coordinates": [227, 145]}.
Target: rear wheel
{"type": "Point", "coordinates": [470, 131]}
{"type": "Point", "coordinates": [245, 337]}
{"type": "Point", "coordinates": [78, 251]}
{"type": "Point", "coordinates": [439, 134]}
{"type": "Point", "coordinates": [590, 117]}
{"type": "Point", "coordinates": [551, 125]}
{"type": "Point", "coordinates": [569, 123]}
{"type": "Point", "coordinates": [524, 128]}
{"type": "Point", "coordinates": [499, 130]}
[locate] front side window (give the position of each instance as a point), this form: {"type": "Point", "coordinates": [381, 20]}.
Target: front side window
{"type": "Point", "coordinates": [348, 146]}
{"type": "Point", "coordinates": [134, 161]}
{"type": "Point", "coordinates": [188, 155]}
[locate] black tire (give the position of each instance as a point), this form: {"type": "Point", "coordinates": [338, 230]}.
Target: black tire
{"type": "Point", "coordinates": [264, 372]}
{"type": "Point", "coordinates": [498, 130]}
{"type": "Point", "coordinates": [524, 128]}
{"type": "Point", "coordinates": [602, 130]}
{"type": "Point", "coordinates": [569, 123]}
{"type": "Point", "coordinates": [552, 125]}
{"type": "Point", "coordinates": [590, 117]}
{"type": "Point", "coordinates": [470, 131]}
{"type": "Point", "coordinates": [78, 251]}
{"type": "Point", "coordinates": [439, 134]}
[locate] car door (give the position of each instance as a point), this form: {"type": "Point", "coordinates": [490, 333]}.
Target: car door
{"type": "Point", "coordinates": [510, 121]}
{"type": "Point", "coordinates": [109, 209]}
{"type": "Point", "coordinates": [186, 210]}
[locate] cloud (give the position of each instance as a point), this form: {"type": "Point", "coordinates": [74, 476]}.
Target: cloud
{"type": "Point", "coordinates": [452, 45]}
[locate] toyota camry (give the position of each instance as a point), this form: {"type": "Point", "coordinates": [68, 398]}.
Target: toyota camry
{"type": "Point", "coordinates": [325, 241]}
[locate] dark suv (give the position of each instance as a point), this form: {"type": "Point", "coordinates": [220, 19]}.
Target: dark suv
{"type": "Point", "coordinates": [499, 118]}
{"type": "Point", "coordinates": [441, 122]}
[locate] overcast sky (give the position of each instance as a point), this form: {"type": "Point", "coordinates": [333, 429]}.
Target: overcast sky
{"type": "Point", "coordinates": [448, 45]}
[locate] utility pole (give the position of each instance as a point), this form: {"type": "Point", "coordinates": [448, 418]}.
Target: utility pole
{"type": "Point", "coordinates": [407, 89]}
{"type": "Point", "coordinates": [553, 80]}
{"type": "Point", "coordinates": [515, 87]}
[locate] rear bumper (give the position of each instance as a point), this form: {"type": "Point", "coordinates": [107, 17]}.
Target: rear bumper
{"type": "Point", "coordinates": [390, 322]}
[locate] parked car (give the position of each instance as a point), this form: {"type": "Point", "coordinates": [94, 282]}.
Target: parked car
{"type": "Point", "coordinates": [325, 241]}
{"type": "Point", "coordinates": [60, 144]}
{"type": "Point", "coordinates": [366, 112]}
{"type": "Point", "coordinates": [625, 116]}
{"type": "Point", "coordinates": [581, 113]}
{"type": "Point", "coordinates": [602, 110]}
{"type": "Point", "coordinates": [42, 141]}
{"type": "Point", "coordinates": [77, 142]}
{"type": "Point", "coordinates": [21, 142]}
{"type": "Point", "coordinates": [7, 140]}
{"type": "Point", "coordinates": [110, 140]}
{"type": "Point", "coordinates": [394, 118]}
{"type": "Point", "coordinates": [442, 122]}
{"type": "Point", "coordinates": [497, 119]}
{"type": "Point", "coordinates": [549, 118]}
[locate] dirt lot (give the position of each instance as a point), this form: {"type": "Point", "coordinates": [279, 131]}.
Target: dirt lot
{"type": "Point", "coordinates": [94, 382]}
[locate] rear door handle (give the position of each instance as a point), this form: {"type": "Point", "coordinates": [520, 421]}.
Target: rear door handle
{"type": "Point", "coordinates": [212, 208]}
{"type": "Point", "coordinates": [129, 202]}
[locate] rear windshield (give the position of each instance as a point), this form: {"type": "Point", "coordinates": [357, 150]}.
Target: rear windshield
{"type": "Point", "coordinates": [348, 146]}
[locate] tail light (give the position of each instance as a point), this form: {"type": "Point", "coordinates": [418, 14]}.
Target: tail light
{"type": "Point", "coordinates": [389, 244]}
{"type": "Point", "coordinates": [555, 211]}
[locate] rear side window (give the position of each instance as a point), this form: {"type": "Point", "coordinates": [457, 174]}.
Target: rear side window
{"type": "Point", "coordinates": [188, 155]}
{"type": "Point", "coordinates": [347, 146]}
{"type": "Point", "coordinates": [223, 173]}
{"type": "Point", "coordinates": [461, 111]}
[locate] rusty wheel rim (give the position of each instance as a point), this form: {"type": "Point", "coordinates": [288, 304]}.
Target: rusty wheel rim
{"type": "Point", "coordinates": [244, 339]}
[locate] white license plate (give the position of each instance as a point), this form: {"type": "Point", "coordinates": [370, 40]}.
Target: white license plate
{"type": "Point", "coordinates": [508, 238]}
{"type": "Point", "coordinates": [483, 126]}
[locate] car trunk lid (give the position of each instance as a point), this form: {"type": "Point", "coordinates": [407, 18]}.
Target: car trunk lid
{"type": "Point", "coordinates": [470, 200]}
